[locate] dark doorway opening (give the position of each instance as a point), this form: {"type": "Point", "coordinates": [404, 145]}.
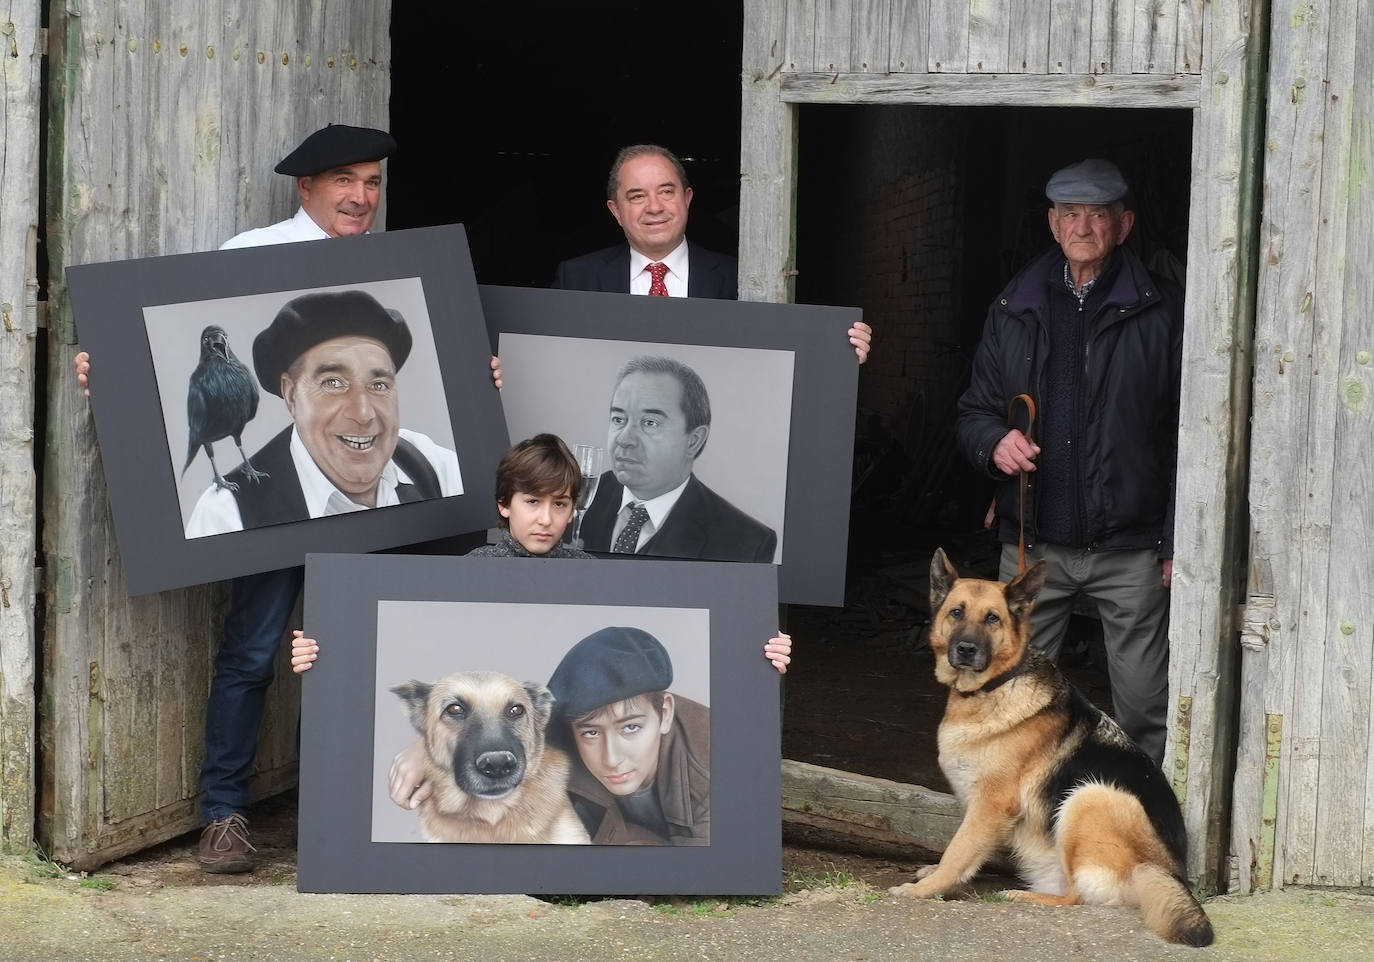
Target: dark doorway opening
{"type": "Point", "coordinates": [920, 215]}
{"type": "Point", "coordinates": [508, 118]}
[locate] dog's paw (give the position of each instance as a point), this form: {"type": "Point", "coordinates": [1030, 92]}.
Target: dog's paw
{"type": "Point", "coordinates": [926, 872]}
{"type": "Point", "coordinates": [916, 890]}
{"type": "Point", "coordinates": [906, 890]}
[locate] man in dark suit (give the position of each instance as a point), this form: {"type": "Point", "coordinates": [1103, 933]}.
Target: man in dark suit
{"type": "Point", "coordinates": [650, 502]}
{"type": "Point", "coordinates": [648, 195]}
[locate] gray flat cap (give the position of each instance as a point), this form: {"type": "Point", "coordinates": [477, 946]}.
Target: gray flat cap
{"type": "Point", "coordinates": [1092, 181]}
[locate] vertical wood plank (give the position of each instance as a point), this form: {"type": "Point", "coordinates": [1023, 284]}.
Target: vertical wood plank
{"type": "Point", "coordinates": [1070, 36]}
{"type": "Point", "coordinates": [872, 36]}
{"type": "Point", "coordinates": [1188, 49]}
{"type": "Point", "coordinates": [948, 36]}
{"type": "Point", "coordinates": [1154, 38]}
{"type": "Point", "coordinates": [910, 36]}
{"type": "Point", "coordinates": [834, 35]}
{"type": "Point", "coordinates": [1340, 435]}
{"type": "Point", "coordinates": [21, 58]}
{"type": "Point", "coordinates": [989, 36]}
{"type": "Point", "coordinates": [797, 28]}
{"type": "Point", "coordinates": [767, 162]}
{"type": "Point", "coordinates": [1111, 42]}
{"type": "Point", "coordinates": [1202, 649]}
{"type": "Point", "coordinates": [1283, 530]}
{"type": "Point", "coordinates": [1029, 33]}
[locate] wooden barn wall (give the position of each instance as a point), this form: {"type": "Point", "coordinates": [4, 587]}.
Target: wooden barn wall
{"type": "Point", "coordinates": [20, 61]}
{"type": "Point", "coordinates": [167, 117]}
{"type": "Point", "coordinates": [1058, 53]}
{"type": "Point", "coordinates": [1304, 809]}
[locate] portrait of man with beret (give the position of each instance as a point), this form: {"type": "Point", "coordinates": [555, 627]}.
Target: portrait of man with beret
{"type": "Point", "coordinates": [334, 358]}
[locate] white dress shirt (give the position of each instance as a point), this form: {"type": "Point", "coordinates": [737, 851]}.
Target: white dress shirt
{"type": "Point", "coordinates": [676, 278]}
{"type": "Point", "coordinates": [658, 509]}
{"type": "Point", "coordinates": [217, 511]}
{"type": "Point", "coordinates": [298, 228]}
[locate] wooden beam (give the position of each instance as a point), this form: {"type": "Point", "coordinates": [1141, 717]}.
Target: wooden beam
{"type": "Point", "coordinates": [868, 807]}
{"type": "Point", "coordinates": [1002, 90]}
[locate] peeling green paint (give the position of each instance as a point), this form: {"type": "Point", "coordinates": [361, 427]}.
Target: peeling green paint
{"type": "Point", "coordinates": [1354, 393]}
{"type": "Point", "coordinates": [1305, 15]}
{"type": "Point", "coordinates": [1269, 801]}
{"type": "Point", "coordinates": [1183, 733]}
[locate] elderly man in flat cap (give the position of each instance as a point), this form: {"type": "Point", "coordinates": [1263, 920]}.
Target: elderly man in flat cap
{"type": "Point", "coordinates": [1094, 342]}
{"type": "Point", "coordinates": [333, 357]}
{"type": "Point", "coordinates": [645, 776]}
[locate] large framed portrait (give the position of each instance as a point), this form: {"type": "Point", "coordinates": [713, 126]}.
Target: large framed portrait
{"type": "Point", "coordinates": [600, 727]}
{"type": "Point", "coordinates": [728, 426]}
{"type": "Point", "coordinates": [259, 403]}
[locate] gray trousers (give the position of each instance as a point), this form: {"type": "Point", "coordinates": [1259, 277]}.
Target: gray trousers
{"type": "Point", "coordinates": [1134, 607]}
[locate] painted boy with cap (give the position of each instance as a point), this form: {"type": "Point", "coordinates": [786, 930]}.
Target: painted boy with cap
{"type": "Point", "coordinates": [333, 357]}
{"type": "Point", "coordinates": [645, 776]}
{"type": "Point", "coordinates": [1095, 342]}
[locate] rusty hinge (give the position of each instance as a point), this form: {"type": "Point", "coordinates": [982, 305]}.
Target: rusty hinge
{"type": "Point", "coordinates": [1257, 620]}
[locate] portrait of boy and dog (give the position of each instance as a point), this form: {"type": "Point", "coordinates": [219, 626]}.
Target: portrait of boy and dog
{"type": "Point", "coordinates": [593, 731]}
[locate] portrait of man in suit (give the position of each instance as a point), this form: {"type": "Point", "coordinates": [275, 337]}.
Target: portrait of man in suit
{"type": "Point", "coordinates": [651, 502]}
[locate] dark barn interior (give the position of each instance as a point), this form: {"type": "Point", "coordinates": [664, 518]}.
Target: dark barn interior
{"type": "Point", "coordinates": [919, 215]}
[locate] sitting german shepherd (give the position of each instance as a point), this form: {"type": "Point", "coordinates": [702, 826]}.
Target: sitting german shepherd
{"type": "Point", "coordinates": [1037, 767]}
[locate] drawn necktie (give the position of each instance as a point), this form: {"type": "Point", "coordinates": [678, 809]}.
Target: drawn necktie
{"type": "Point", "coordinates": [656, 286]}
{"type": "Point", "coordinates": [628, 539]}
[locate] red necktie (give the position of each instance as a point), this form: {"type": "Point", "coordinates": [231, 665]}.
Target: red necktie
{"type": "Point", "coordinates": [656, 287]}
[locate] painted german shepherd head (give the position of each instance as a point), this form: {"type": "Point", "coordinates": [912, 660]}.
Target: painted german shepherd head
{"type": "Point", "coordinates": [482, 728]}
{"type": "Point", "coordinates": [979, 630]}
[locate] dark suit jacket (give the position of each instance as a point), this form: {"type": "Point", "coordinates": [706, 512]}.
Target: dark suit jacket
{"type": "Point", "coordinates": [701, 525]}
{"type": "Point", "coordinates": [708, 274]}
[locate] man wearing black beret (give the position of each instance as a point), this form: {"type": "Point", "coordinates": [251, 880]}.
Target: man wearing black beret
{"type": "Point", "coordinates": [333, 357]}
{"type": "Point", "coordinates": [645, 776]}
{"type": "Point", "coordinates": [1095, 342]}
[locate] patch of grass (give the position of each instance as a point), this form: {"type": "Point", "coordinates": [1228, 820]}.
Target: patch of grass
{"type": "Point", "coordinates": [38, 865]}
{"type": "Point", "coordinates": [101, 884]}
{"type": "Point", "coordinates": [832, 877]}
{"type": "Point", "coordinates": [667, 908]}
{"type": "Point", "coordinates": [994, 897]}
{"type": "Point", "coordinates": [871, 896]}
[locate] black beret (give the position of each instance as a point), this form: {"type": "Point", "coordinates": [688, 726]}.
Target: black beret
{"type": "Point", "coordinates": [337, 145]}
{"type": "Point", "coordinates": [606, 667]}
{"type": "Point", "coordinates": [1092, 181]}
{"type": "Point", "coordinates": [315, 318]}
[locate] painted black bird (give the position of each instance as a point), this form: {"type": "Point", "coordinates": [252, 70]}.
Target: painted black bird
{"type": "Point", "coordinates": [221, 398]}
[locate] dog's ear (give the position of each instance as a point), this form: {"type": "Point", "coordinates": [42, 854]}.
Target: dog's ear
{"type": "Point", "coordinates": [414, 696]}
{"type": "Point", "coordinates": [1021, 592]}
{"type": "Point", "coordinates": [542, 700]}
{"type": "Point", "coordinates": [942, 578]}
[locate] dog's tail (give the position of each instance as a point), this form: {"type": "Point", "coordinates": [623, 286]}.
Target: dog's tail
{"type": "Point", "coordinates": [1169, 908]}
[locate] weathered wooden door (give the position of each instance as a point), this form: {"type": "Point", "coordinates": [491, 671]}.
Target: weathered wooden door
{"type": "Point", "coordinates": [20, 92]}
{"type": "Point", "coordinates": [1304, 788]}
{"type": "Point", "coordinates": [165, 122]}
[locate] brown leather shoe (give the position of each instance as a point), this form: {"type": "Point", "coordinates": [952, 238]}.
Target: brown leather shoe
{"type": "Point", "coordinates": [224, 846]}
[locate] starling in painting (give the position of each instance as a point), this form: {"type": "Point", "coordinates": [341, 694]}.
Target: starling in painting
{"type": "Point", "coordinates": [221, 398]}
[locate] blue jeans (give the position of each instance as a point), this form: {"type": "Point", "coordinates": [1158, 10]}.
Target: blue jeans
{"type": "Point", "coordinates": [259, 606]}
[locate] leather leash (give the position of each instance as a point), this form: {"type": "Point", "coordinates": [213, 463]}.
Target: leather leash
{"type": "Point", "coordinates": [1022, 481]}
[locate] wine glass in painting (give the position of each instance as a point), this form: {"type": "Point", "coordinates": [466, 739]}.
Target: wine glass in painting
{"type": "Point", "coordinates": [589, 458]}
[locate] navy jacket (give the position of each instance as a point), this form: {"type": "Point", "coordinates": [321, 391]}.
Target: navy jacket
{"type": "Point", "coordinates": [708, 274]}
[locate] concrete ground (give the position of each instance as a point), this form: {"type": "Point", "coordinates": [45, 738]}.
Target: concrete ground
{"type": "Point", "coordinates": [49, 914]}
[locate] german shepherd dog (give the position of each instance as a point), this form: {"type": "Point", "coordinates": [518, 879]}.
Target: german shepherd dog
{"type": "Point", "coordinates": [1036, 766]}
{"type": "Point", "coordinates": [494, 777]}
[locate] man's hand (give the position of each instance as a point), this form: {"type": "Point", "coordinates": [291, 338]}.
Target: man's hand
{"type": "Point", "coordinates": [496, 371]}
{"type": "Point", "coordinates": [1014, 453]}
{"type": "Point", "coordinates": [82, 361]}
{"type": "Point", "coordinates": [778, 650]}
{"type": "Point", "coordinates": [1166, 567]}
{"type": "Point", "coordinates": [406, 782]}
{"type": "Point", "coordinates": [303, 651]}
{"type": "Point", "coordinates": [861, 336]}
